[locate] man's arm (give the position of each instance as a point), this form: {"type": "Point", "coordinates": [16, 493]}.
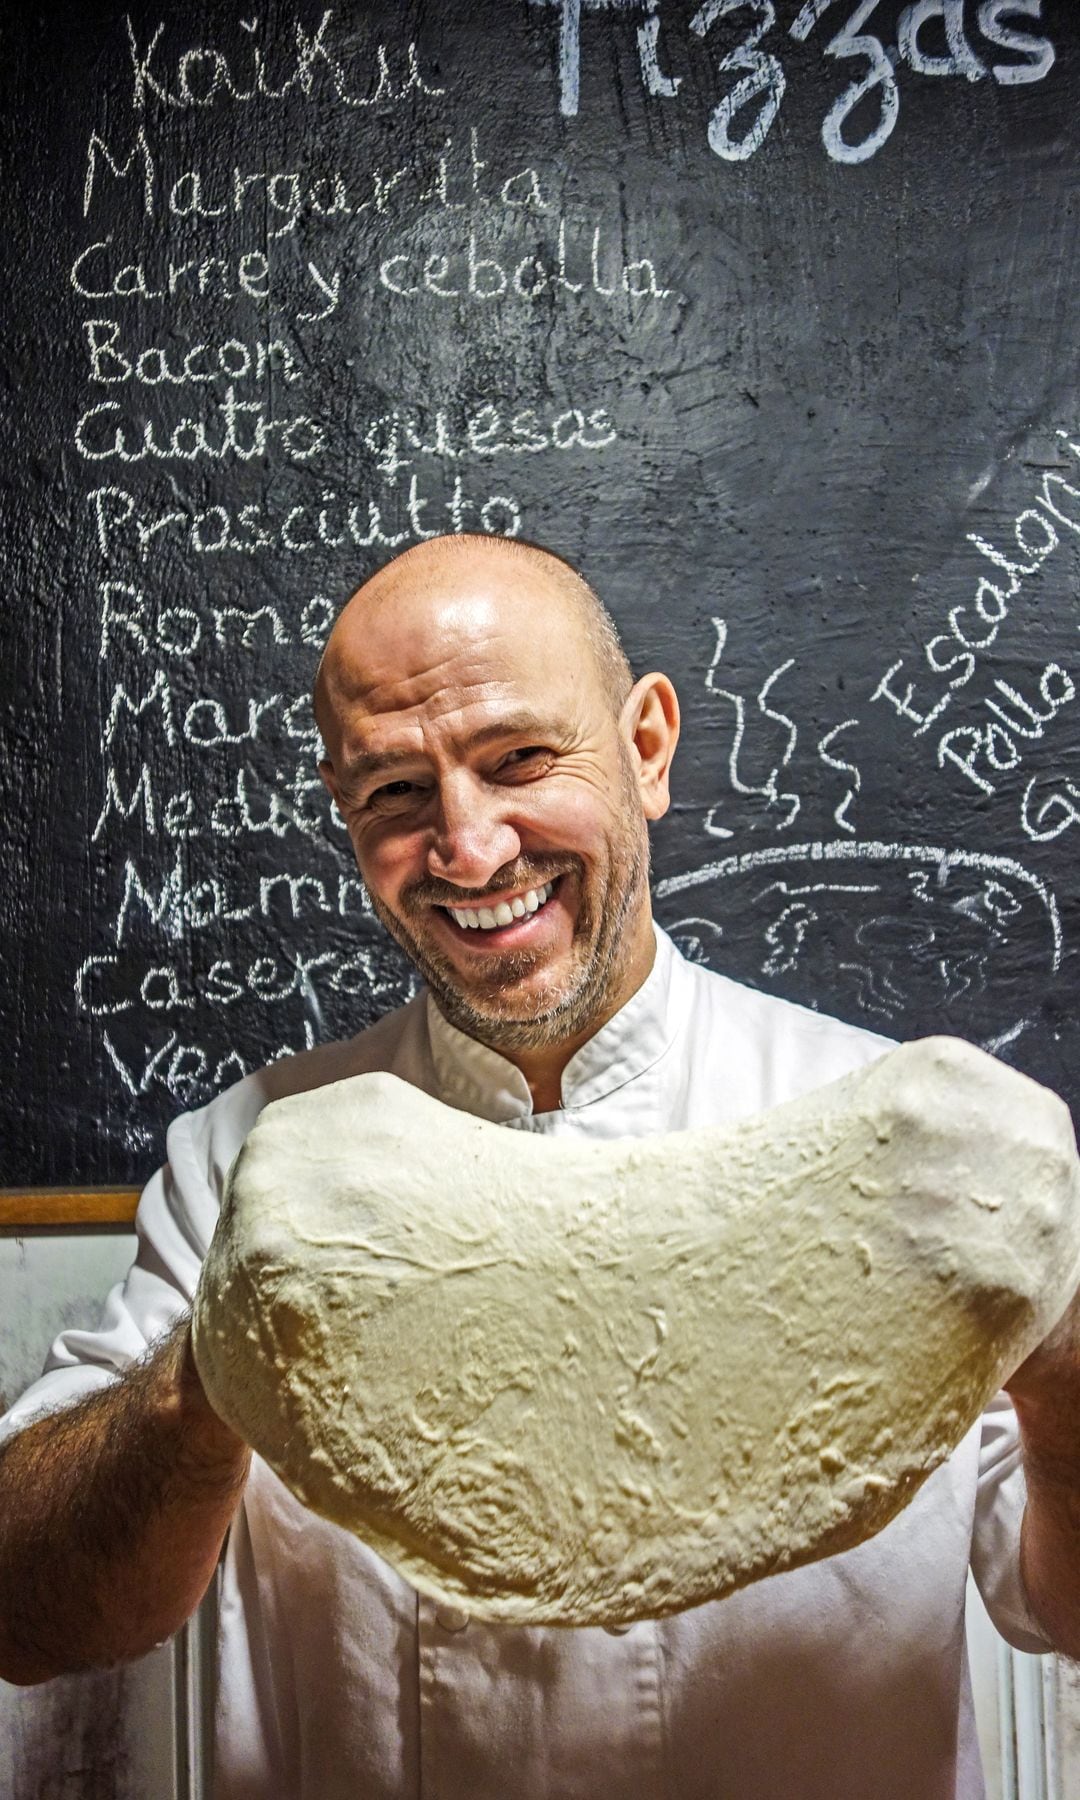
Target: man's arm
{"type": "Point", "coordinates": [1046, 1394]}
{"type": "Point", "coordinates": [112, 1515]}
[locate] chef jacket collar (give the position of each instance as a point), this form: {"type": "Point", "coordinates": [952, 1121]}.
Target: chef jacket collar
{"type": "Point", "coordinates": [478, 1080]}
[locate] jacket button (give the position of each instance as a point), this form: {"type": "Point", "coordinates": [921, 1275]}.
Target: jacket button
{"type": "Point", "coordinates": [618, 1630]}
{"type": "Point", "coordinates": [451, 1618]}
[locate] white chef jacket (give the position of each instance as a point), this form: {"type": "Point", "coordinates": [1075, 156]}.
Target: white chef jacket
{"type": "Point", "coordinates": [845, 1680]}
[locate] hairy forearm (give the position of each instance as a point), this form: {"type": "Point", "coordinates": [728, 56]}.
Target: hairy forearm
{"type": "Point", "coordinates": [112, 1515]}
{"type": "Point", "coordinates": [1046, 1395]}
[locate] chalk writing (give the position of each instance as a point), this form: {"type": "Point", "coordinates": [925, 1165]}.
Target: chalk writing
{"type": "Point", "coordinates": [974, 36]}
{"type": "Point", "coordinates": [996, 745]}
{"type": "Point", "coordinates": [177, 905]}
{"type": "Point", "coordinates": [1044, 817]}
{"type": "Point", "coordinates": [206, 74]}
{"type": "Point", "coordinates": [331, 520]}
{"type": "Point", "coordinates": [398, 438]}
{"type": "Point", "coordinates": [843, 767]}
{"type": "Point", "coordinates": [471, 270]}
{"type": "Point", "coordinates": [236, 430]}
{"type": "Point", "coordinates": [972, 628]}
{"type": "Point", "coordinates": [914, 936]}
{"type": "Point", "coordinates": [769, 790]}
{"type": "Point", "coordinates": [129, 618]}
{"type": "Point", "coordinates": [202, 363]}
{"type": "Point", "coordinates": [453, 179]}
{"type": "Point", "coordinates": [252, 806]}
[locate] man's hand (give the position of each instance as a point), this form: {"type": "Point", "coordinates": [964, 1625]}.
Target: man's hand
{"type": "Point", "coordinates": [112, 1515]}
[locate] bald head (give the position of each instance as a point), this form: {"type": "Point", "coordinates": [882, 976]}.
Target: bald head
{"type": "Point", "coordinates": [439, 568]}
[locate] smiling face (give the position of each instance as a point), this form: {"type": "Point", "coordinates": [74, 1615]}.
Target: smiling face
{"type": "Point", "coordinates": [496, 802]}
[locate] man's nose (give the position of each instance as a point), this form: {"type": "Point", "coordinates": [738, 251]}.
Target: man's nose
{"type": "Point", "coordinates": [472, 836]}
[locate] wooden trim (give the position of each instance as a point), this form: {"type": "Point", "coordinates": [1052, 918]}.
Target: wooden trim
{"type": "Point", "coordinates": [30, 1208]}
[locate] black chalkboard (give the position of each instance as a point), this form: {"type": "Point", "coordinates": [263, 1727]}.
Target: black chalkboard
{"type": "Point", "coordinates": [767, 315]}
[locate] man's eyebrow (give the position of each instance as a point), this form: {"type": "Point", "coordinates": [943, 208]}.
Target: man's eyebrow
{"type": "Point", "coordinates": [365, 763]}
{"type": "Point", "coordinates": [520, 724]}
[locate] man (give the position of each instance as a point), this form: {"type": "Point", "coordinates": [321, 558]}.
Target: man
{"type": "Point", "coordinates": [496, 766]}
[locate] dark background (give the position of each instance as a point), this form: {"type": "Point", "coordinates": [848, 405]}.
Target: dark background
{"type": "Point", "coordinates": [857, 364]}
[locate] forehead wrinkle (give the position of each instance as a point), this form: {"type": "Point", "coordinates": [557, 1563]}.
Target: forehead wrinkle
{"type": "Point", "coordinates": [512, 718]}
{"type": "Point", "coordinates": [404, 711]}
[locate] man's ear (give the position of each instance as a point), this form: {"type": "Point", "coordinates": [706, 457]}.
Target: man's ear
{"type": "Point", "coordinates": [326, 770]}
{"type": "Point", "coordinates": [649, 722]}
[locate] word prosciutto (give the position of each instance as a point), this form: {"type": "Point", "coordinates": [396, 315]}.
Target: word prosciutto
{"type": "Point", "coordinates": [334, 521]}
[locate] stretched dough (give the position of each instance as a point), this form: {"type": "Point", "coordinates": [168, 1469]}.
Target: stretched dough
{"type": "Point", "coordinates": [584, 1383]}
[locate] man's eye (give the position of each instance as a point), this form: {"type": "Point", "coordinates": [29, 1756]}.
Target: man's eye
{"type": "Point", "coordinates": [392, 793]}
{"type": "Point", "coordinates": [529, 753]}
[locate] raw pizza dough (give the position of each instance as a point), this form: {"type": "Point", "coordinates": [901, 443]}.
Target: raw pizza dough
{"type": "Point", "coordinates": [583, 1383]}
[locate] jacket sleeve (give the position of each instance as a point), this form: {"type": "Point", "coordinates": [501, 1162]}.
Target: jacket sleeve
{"type": "Point", "coordinates": [174, 1224]}
{"type": "Point", "coordinates": [177, 1213]}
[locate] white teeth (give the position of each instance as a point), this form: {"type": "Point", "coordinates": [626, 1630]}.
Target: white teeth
{"type": "Point", "coordinates": [487, 918]}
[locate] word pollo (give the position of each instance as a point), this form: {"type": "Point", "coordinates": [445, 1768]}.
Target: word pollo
{"type": "Point", "coordinates": [204, 74]}
{"type": "Point", "coordinates": [742, 119]}
{"type": "Point", "coordinates": [336, 522]}
{"type": "Point", "coordinates": [996, 745]}
{"type": "Point", "coordinates": [973, 627]}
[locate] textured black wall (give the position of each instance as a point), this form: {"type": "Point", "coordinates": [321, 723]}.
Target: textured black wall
{"type": "Point", "coordinates": [767, 316]}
